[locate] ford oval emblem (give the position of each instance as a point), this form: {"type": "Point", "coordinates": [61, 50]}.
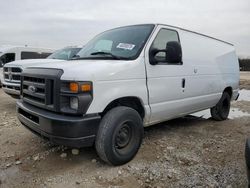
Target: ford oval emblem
{"type": "Point", "coordinates": [32, 89]}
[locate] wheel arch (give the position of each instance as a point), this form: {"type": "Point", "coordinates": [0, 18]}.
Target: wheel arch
{"type": "Point", "coordinates": [229, 90]}
{"type": "Point", "coordinates": [130, 101]}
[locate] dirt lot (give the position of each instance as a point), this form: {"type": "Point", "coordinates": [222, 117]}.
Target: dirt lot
{"type": "Point", "coordinates": [186, 152]}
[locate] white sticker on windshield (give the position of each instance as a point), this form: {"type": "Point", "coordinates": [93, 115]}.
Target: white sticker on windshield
{"type": "Point", "coordinates": [125, 46]}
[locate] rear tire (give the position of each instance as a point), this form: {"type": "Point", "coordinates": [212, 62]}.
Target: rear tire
{"type": "Point", "coordinates": [220, 112]}
{"type": "Point", "coordinates": [119, 135]}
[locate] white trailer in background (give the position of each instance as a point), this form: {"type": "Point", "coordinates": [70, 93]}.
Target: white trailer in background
{"type": "Point", "coordinates": [12, 71]}
{"type": "Point", "coordinates": [13, 53]}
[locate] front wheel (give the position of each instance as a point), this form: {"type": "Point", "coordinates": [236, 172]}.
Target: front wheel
{"type": "Point", "coordinates": [119, 135]}
{"type": "Point", "coordinates": [221, 110]}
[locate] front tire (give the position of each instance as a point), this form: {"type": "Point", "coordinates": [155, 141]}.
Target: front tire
{"type": "Point", "coordinates": [119, 135]}
{"type": "Point", "coordinates": [220, 112]}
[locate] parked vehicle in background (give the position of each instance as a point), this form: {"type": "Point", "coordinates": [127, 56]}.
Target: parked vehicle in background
{"type": "Point", "coordinates": [1, 77]}
{"type": "Point", "coordinates": [13, 70]}
{"type": "Point", "coordinates": [123, 80]}
{"type": "Point", "coordinates": [13, 53]}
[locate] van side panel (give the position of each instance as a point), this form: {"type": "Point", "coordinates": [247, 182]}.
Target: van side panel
{"type": "Point", "coordinates": [214, 67]}
{"type": "Point", "coordinates": [209, 66]}
{"type": "Point", "coordinates": [228, 64]}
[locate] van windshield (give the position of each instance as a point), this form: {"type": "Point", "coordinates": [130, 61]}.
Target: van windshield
{"type": "Point", "coordinates": [123, 43]}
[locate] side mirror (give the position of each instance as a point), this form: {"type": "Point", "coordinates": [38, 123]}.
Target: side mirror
{"type": "Point", "coordinates": [173, 54]}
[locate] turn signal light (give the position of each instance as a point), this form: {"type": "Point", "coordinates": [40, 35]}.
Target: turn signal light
{"type": "Point", "coordinates": [78, 87]}
{"type": "Point", "coordinates": [85, 87]}
{"type": "Point", "coordinates": [74, 87]}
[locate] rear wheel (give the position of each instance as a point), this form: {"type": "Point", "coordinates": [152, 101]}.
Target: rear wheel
{"type": "Point", "coordinates": [119, 136]}
{"type": "Point", "coordinates": [221, 110]}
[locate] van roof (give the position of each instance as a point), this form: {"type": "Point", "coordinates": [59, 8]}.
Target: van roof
{"type": "Point", "coordinates": [196, 33]}
{"type": "Point", "coordinates": [183, 30]}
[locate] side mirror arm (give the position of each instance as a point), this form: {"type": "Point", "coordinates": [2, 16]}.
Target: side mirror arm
{"type": "Point", "coordinates": [152, 54]}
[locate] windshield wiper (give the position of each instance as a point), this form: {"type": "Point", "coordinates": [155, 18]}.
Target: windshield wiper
{"type": "Point", "coordinates": [108, 53]}
{"type": "Point", "coordinates": [101, 53]}
{"type": "Point", "coordinates": [75, 57]}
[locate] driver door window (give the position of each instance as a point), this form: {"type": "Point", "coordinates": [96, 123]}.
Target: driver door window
{"type": "Point", "coordinates": [163, 37]}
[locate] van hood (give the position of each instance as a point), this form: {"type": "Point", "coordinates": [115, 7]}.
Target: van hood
{"type": "Point", "coordinates": [30, 62]}
{"type": "Point", "coordinates": [101, 70]}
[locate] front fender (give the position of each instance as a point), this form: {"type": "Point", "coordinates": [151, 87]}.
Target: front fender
{"type": "Point", "coordinates": [107, 91]}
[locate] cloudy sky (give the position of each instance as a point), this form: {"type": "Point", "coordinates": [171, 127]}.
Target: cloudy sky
{"type": "Point", "coordinates": [59, 23]}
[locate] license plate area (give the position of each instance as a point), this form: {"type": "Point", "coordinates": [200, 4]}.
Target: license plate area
{"type": "Point", "coordinates": [29, 116]}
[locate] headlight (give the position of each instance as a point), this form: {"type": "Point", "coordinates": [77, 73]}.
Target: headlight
{"type": "Point", "coordinates": [75, 97]}
{"type": "Point", "coordinates": [74, 103]}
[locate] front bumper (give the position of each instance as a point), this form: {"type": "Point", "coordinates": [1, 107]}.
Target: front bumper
{"type": "Point", "coordinates": [11, 88]}
{"type": "Point", "coordinates": [73, 131]}
{"type": "Point", "coordinates": [247, 156]}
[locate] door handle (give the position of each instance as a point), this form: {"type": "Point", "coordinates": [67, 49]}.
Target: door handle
{"type": "Point", "coordinates": [183, 82]}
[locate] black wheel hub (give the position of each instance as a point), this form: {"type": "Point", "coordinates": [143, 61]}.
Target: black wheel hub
{"type": "Point", "coordinates": [123, 136]}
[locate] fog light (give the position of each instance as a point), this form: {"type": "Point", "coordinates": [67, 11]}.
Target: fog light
{"type": "Point", "coordinates": [74, 103]}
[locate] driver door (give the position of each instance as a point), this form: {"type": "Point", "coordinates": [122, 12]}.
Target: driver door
{"type": "Point", "coordinates": [166, 80]}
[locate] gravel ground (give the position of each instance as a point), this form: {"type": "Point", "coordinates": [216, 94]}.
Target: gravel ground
{"type": "Point", "coordinates": [186, 152]}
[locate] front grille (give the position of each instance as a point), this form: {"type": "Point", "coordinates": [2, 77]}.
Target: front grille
{"type": "Point", "coordinates": [16, 69]}
{"type": "Point", "coordinates": [38, 90]}
{"type": "Point", "coordinates": [12, 74]}
{"type": "Point", "coordinates": [40, 87]}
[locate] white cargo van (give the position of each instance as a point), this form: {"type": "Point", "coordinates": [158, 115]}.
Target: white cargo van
{"type": "Point", "coordinates": [13, 53]}
{"type": "Point", "coordinates": [123, 80]}
{"type": "Point", "coordinates": [12, 70]}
